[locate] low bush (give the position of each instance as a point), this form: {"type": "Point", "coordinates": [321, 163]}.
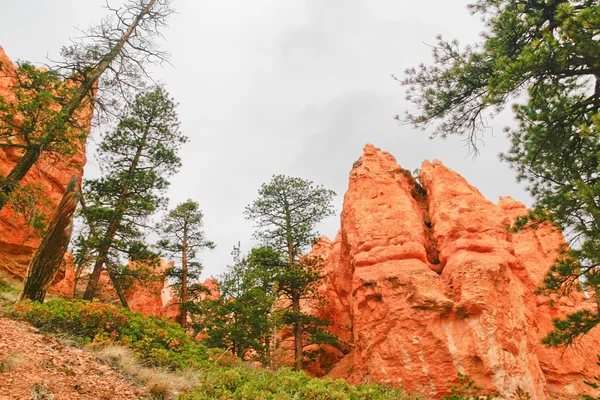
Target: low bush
{"type": "Point", "coordinates": [254, 384]}
{"type": "Point", "coordinates": [158, 341]}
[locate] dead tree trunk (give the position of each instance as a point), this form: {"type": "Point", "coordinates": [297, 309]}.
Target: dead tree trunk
{"type": "Point", "coordinates": [49, 256]}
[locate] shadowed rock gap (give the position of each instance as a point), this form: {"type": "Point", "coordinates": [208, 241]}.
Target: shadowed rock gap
{"type": "Point", "coordinates": [419, 193]}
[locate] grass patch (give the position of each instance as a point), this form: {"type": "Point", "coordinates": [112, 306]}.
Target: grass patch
{"type": "Point", "coordinates": [11, 362]}
{"type": "Point", "coordinates": [160, 383]}
{"type": "Point", "coordinates": [8, 292]}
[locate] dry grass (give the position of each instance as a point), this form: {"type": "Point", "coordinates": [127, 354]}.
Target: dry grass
{"type": "Point", "coordinates": [9, 289]}
{"type": "Point", "coordinates": [160, 384]}
{"type": "Point", "coordinates": [11, 362]}
{"type": "Point", "coordinates": [40, 392]}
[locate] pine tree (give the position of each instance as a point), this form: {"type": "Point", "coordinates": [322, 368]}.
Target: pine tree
{"type": "Point", "coordinates": [543, 58]}
{"type": "Point", "coordinates": [286, 214]}
{"type": "Point", "coordinates": [183, 236]}
{"type": "Point", "coordinates": [136, 159]}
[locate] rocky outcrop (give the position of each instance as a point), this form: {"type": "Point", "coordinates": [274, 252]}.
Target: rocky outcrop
{"type": "Point", "coordinates": [154, 296]}
{"type": "Point", "coordinates": [18, 241]}
{"type": "Point", "coordinates": [425, 280]}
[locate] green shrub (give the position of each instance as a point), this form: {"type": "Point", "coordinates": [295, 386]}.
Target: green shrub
{"type": "Point", "coordinates": [468, 390]}
{"type": "Point", "coordinates": [159, 341]}
{"type": "Point", "coordinates": [254, 384]}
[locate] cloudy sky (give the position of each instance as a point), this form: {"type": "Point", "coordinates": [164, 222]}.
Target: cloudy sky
{"type": "Point", "coordinates": [293, 87]}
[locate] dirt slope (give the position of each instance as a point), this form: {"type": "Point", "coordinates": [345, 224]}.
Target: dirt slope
{"type": "Point", "coordinates": [38, 366]}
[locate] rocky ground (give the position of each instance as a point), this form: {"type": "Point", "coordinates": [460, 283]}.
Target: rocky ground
{"type": "Point", "coordinates": [38, 366]}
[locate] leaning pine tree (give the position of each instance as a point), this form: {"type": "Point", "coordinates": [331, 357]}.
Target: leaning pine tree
{"type": "Point", "coordinates": [44, 118]}
{"type": "Point", "coordinates": [136, 159]}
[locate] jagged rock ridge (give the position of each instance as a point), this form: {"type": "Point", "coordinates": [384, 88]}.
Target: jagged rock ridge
{"type": "Point", "coordinates": [424, 280]}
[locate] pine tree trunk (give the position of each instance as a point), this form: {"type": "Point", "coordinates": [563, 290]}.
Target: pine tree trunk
{"type": "Point", "coordinates": [92, 286]}
{"type": "Point", "coordinates": [117, 285]}
{"type": "Point", "coordinates": [111, 232]}
{"type": "Point", "coordinates": [49, 256]}
{"type": "Point", "coordinates": [297, 331]}
{"type": "Point", "coordinates": [184, 271]}
{"type": "Point", "coordinates": [8, 184]}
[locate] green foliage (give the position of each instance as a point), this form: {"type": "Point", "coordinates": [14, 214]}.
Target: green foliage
{"type": "Point", "coordinates": [35, 120]}
{"type": "Point", "coordinates": [31, 123]}
{"type": "Point", "coordinates": [520, 394]}
{"type": "Point", "coordinates": [136, 159]}
{"type": "Point", "coordinates": [467, 390]}
{"type": "Point", "coordinates": [568, 329]}
{"type": "Point", "coordinates": [287, 211]}
{"type": "Point", "coordinates": [241, 318]}
{"type": "Point", "coordinates": [159, 341]}
{"type": "Point", "coordinates": [543, 58]}
{"type": "Point", "coordinates": [254, 384]}
{"type": "Point", "coordinates": [182, 238]}
{"type": "Point", "coordinates": [5, 287]}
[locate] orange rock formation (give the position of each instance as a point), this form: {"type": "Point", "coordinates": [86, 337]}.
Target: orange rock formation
{"type": "Point", "coordinates": [17, 241]}
{"type": "Point", "coordinates": [154, 297]}
{"type": "Point", "coordinates": [424, 280]}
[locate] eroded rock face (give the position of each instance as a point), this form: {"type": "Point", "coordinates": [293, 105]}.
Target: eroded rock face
{"type": "Point", "coordinates": [425, 280]}
{"type": "Point", "coordinates": [154, 297]}
{"type": "Point", "coordinates": [18, 242]}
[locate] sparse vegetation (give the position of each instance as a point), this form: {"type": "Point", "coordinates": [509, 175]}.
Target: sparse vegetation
{"type": "Point", "coordinates": [157, 353]}
{"type": "Point", "coordinates": [41, 392]}
{"type": "Point", "coordinates": [158, 341]}
{"type": "Point", "coordinates": [160, 383]}
{"type": "Point", "coordinates": [467, 389]}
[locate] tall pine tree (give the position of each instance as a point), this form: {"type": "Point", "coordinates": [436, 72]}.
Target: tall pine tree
{"type": "Point", "coordinates": [136, 159]}
{"type": "Point", "coordinates": [182, 237]}
{"type": "Point", "coordinates": [286, 214]}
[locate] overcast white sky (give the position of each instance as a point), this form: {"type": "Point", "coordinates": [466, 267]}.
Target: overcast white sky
{"type": "Point", "coordinates": [293, 87]}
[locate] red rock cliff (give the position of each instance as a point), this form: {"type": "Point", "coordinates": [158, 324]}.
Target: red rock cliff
{"type": "Point", "coordinates": [17, 241]}
{"type": "Point", "coordinates": [424, 280]}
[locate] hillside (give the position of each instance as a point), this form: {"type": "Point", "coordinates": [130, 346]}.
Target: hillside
{"type": "Point", "coordinates": [35, 365]}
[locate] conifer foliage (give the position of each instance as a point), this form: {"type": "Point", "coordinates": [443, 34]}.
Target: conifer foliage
{"type": "Point", "coordinates": [136, 159]}
{"type": "Point", "coordinates": [183, 236]}
{"type": "Point", "coordinates": [543, 58]}
{"type": "Point", "coordinates": [242, 318]}
{"type": "Point", "coordinates": [286, 214]}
